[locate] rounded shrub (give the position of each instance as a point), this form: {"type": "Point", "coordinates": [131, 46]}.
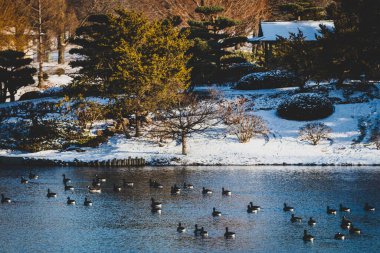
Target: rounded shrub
{"type": "Point", "coordinates": [267, 80]}
{"type": "Point", "coordinates": [305, 106]}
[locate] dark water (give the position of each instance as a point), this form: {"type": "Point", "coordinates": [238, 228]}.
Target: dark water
{"type": "Point", "coordinates": [123, 221]}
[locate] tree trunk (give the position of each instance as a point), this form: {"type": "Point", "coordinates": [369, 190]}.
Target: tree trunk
{"type": "Point", "coordinates": [40, 51]}
{"type": "Point", "coordinates": [184, 143]}
{"type": "Point", "coordinates": [61, 48]}
{"type": "Point", "coordinates": [137, 126]}
{"type": "Point", "coordinates": [125, 129]}
{"type": "Point", "coordinates": [12, 96]}
{"type": "Point", "coordinates": [3, 93]}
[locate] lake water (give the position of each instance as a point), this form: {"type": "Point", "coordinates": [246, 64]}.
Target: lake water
{"type": "Point", "coordinates": [123, 222]}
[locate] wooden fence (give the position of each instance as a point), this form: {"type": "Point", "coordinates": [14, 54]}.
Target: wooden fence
{"type": "Point", "coordinates": [23, 161]}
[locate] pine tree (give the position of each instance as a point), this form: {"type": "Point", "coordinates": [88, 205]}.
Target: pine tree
{"type": "Point", "coordinates": [297, 56]}
{"type": "Point", "coordinates": [15, 73]}
{"type": "Point", "coordinates": [141, 64]}
{"type": "Point", "coordinates": [93, 39]}
{"type": "Point", "coordinates": [351, 49]}
{"type": "Point", "coordinates": [150, 63]}
{"type": "Point", "coordinates": [302, 9]}
{"type": "Point", "coordinates": [212, 36]}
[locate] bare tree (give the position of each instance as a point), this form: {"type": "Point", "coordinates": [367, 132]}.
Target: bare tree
{"type": "Point", "coordinates": [15, 28]}
{"type": "Point", "coordinates": [249, 12]}
{"type": "Point", "coordinates": [241, 122]}
{"type": "Point", "coordinates": [375, 133]}
{"type": "Point", "coordinates": [314, 132]}
{"type": "Point", "coordinates": [186, 117]}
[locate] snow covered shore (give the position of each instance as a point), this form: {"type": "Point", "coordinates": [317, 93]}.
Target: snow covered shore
{"type": "Point", "coordinates": [284, 146]}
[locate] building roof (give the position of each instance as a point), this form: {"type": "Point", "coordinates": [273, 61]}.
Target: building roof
{"type": "Point", "coordinates": [269, 31]}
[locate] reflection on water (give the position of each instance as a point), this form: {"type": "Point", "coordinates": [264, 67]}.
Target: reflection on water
{"type": "Point", "coordinates": [123, 221]}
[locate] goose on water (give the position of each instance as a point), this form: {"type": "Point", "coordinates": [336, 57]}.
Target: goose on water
{"type": "Point", "coordinates": [206, 191]}
{"type": "Point", "coordinates": [127, 183]}
{"type": "Point", "coordinates": [5, 200]}
{"type": "Point", "coordinates": [95, 183]}
{"type": "Point", "coordinates": [339, 236]}
{"type": "Point", "coordinates": [155, 184]}
{"type": "Point", "coordinates": [330, 211]}
{"type": "Point", "coordinates": [68, 187]}
{"type": "Point", "coordinates": [346, 223]}
{"type": "Point", "coordinates": [229, 234]}
{"type": "Point", "coordinates": [24, 180]}
{"type": "Point", "coordinates": [355, 230]}
{"type": "Point", "coordinates": [288, 208]}
{"type": "Point", "coordinates": [175, 190]}
{"type": "Point", "coordinates": [155, 203]}
{"type": "Point", "coordinates": [70, 201]}
{"type": "Point", "coordinates": [94, 189]}
{"type": "Point", "coordinates": [100, 179]}
{"type": "Point", "coordinates": [65, 179]}
{"type": "Point", "coordinates": [87, 202]}
{"type": "Point", "coordinates": [307, 237]}
{"type": "Point", "coordinates": [369, 208]}
{"type": "Point", "coordinates": [51, 194]}
{"type": "Point", "coordinates": [116, 188]}
{"type": "Point", "coordinates": [344, 209]}
{"type": "Point", "coordinates": [188, 186]}
{"type": "Point", "coordinates": [226, 192]}
{"type": "Point", "coordinates": [311, 222]}
{"type": "Point", "coordinates": [180, 228]}
{"type": "Point", "coordinates": [215, 212]}
{"type": "Point", "coordinates": [32, 176]}
{"type": "Point", "coordinates": [203, 233]}
{"type": "Point", "coordinates": [251, 210]}
{"type": "Point", "coordinates": [295, 219]}
{"type": "Point", "coordinates": [197, 230]}
{"type": "Point", "coordinates": [255, 207]}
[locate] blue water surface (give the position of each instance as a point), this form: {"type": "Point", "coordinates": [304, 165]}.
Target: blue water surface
{"type": "Point", "coordinates": [123, 222]}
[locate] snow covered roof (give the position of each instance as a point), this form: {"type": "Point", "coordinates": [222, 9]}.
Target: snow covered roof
{"type": "Point", "coordinates": [269, 31]}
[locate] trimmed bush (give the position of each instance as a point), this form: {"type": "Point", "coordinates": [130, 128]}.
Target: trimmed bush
{"type": "Point", "coordinates": [30, 95]}
{"type": "Point", "coordinates": [305, 106]}
{"type": "Point", "coordinates": [267, 80]}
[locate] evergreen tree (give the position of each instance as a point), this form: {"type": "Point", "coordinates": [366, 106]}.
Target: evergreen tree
{"type": "Point", "coordinates": [302, 9]}
{"type": "Point", "coordinates": [353, 47]}
{"type": "Point", "coordinates": [212, 36]}
{"type": "Point", "coordinates": [297, 56]}
{"type": "Point", "coordinates": [141, 64]}
{"type": "Point", "coordinates": [95, 47]}
{"type": "Point", "coordinates": [15, 73]}
{"type": "Point", "coordinates": [150, 65]}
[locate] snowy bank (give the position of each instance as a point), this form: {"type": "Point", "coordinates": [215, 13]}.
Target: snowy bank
{"type": "Point", "coordinates": [284, 146]}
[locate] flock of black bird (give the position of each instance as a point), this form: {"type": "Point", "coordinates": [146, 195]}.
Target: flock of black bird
{"type": "Point", "coordinates": [156, 206]}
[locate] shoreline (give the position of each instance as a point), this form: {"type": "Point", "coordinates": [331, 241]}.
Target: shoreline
{"type": "Point", "coordinates": [140, 162]}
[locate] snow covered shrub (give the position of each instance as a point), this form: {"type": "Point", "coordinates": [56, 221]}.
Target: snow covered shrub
{"type": "Point", "coordinates": [249, 126]}
{"type": "Point", "coordinates": [232, 112]}
{"type": "Point", "coordinates": [240, 123]}
{"type": "Point", "coordinates": [305, 106]}
{"type": "Point", "coordinates": [30, 95]}
{"type": "Point", "coordinates": [267, 80]}
{"type": "Point", "coordinates": [314, 132]}
{"type": "Point", "coordinates": [33, 135]}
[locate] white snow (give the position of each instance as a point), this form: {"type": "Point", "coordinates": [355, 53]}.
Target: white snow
{"type": "Point", "coordinates": [283, 147]}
